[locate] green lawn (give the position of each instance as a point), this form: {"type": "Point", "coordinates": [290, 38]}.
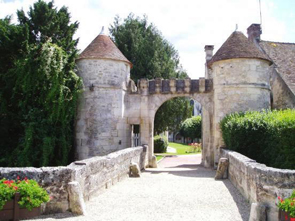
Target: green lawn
{"type": "Point", "coordinates": [182, 149]}
{"type": "Point", "coordinates": [159, 157]}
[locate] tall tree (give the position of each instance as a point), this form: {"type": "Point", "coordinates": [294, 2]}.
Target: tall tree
{"type": "Point", "coordinates": [38, 87]}
{"type": "Point", "coordinates": [167, 118]}
{"type": "Point", "coordinates": [152, 56]}
{"type": "Point", "coordinates": [11, 41]}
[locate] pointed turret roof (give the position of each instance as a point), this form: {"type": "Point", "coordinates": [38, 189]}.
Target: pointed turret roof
{"type": "Point", "coordinates": [237, 46]}
{"type": "Point", "coordinates": [102, 47]}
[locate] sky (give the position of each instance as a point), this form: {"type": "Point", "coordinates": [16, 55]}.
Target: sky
{"type": "Point", "coordinates": [188, 25]}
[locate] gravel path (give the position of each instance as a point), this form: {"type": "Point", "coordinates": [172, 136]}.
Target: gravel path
{"type": "Point", "coordinates": [180, 189]}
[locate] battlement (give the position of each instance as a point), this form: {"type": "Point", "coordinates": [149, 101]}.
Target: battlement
{"type": "Point", "coordinates": [174, 86]}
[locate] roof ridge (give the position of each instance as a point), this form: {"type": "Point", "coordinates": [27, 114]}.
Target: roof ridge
{"type": "Point", "coordinates": [278, 42]}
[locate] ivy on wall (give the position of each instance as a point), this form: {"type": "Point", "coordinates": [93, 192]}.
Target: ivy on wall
{"type": "Point", "coordinates": [39, 88]}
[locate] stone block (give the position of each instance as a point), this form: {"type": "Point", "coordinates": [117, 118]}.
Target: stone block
{"type": "Point", "coordinates": [134, 170]}
{"type": "Point", "coordinates": [221, 172]}
{"type": "Point", "coordinates": [76, 200]}
{"type": "Point", "coordinates": [153, 163]}
{"type": "Point", "coordinates": [258, 212]}
{"type": "Point", "coordinates": [202, 86]}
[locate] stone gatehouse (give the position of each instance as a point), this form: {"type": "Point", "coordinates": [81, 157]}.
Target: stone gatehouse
{"type": "Point", "coordinates": [239, 77]}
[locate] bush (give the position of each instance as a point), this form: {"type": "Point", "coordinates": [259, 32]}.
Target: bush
{"type": "Point", "coordinates": [31, 194]}
{"type": "Point", "coordinates": [192, 127]}
{"type": "Point", "coordinates": [160, 144]}
{"type": "Point", "coordinates": [267, 136]}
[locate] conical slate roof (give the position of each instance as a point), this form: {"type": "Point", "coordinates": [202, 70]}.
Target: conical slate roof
{"type": "Point", "coordinates": [237, 46]}
{"type": "Point", "coordinates": [102, 47]}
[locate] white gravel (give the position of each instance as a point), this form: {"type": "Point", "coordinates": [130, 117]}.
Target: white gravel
{"type": "Point", "coordinates": [177, 190]}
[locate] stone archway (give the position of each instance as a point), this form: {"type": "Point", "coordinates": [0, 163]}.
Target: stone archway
{"type": "Point", "coordinates": [205, 99]}
{"type": "Point", "coordinates": [152, 94]}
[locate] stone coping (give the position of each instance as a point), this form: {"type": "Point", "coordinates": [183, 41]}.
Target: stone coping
{"type": "Point", "coordinates": [254, 166]}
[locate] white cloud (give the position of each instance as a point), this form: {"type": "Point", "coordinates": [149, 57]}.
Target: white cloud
{"type": "Point", "coordinates": [188, 24]}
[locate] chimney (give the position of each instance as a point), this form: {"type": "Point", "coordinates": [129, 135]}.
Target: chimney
{"type": "Point", "coordinates": [254, 32]}
{"type": "Point", "coordinates": [209, 54]}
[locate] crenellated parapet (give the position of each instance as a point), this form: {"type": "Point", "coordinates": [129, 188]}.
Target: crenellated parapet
{"type": "Point", "coordinates": [174, 86]}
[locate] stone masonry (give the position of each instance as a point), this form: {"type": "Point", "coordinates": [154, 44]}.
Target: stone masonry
{"type": "Point", "coordinates": [237, 79]}
{"type": "Point", "coordinates": [259, 183]}
{"type": "Point", "coordinates": [91, 176]}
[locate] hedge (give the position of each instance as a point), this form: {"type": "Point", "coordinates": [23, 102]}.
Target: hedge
{"type": "Point", "coordinates": [160, 144]}
{"type": "Point", "coordinates": [267, 137]}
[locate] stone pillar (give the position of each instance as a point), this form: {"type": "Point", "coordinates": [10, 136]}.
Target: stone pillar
{"type": "Point", "coordinates": [146, 121]}
{"type": "Point", "coordinates": [77, 204]}
{"type": "Point", "coordinates": [207, 137]}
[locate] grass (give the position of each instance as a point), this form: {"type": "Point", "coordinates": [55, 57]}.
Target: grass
{"type": "Point", "coordinates": [182, 149]}
{"type": "Point", "coordinates": [159, 157]}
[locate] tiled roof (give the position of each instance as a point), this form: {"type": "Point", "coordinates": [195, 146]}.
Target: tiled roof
{"type": "Point", "coordinates": [283, 55]}
{"type": "Point", "coordinates": [102, 47]}
{"type": "Point", "coordinates": [237, 46]}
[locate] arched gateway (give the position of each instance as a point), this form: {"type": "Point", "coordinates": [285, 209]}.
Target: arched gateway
{"type": "Point", "coordinates": [237, 79]}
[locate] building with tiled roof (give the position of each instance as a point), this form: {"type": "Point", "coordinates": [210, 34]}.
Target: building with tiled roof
{"type": "Point", "coordinates": [283, 68]}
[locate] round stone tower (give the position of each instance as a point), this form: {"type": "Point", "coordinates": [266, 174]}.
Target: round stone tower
{"type": "Point", "coordinates": [101, 126]}
{"type": "Point", "coordinates": [241, 80]}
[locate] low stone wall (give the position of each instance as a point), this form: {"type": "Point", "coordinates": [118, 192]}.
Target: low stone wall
{"type": "Point", "coordinates": [259, 183]}
{"type": "Point", "coordinates": [93, 175]}
{"type": "Point", "coordinates": [98, 173]}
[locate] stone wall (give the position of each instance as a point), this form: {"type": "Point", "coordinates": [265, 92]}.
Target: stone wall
{"type": "Point", "coordinates": [98, 173]}
{"type": "Point", "coordinates": [282, 96]}
{"type": "Point", "coordinates": [259, 183]}
{"type": "Point", "coordinates": [94, 175]}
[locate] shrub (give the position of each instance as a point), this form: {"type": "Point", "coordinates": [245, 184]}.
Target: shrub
{"type": "Point", "coordinates": [287, 205]}
{"type": "Point", "coordinates": [267, 136]}
{"type": "Point", "coordinates": [160, 144]}
{"type": "Point", "coordinates": [31, 194]}
{"type": "Point", "coordinates": [192, 127]}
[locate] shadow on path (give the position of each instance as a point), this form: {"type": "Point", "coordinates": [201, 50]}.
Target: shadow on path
{"type": "Point", "coordinates": [240, 201]}
{"type": "Point", "coordinates": [185, 170]}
